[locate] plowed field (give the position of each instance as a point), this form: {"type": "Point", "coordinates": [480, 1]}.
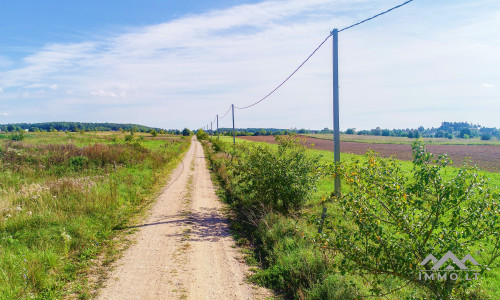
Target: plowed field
{"type": "Point", "coordinates": [487, 157]}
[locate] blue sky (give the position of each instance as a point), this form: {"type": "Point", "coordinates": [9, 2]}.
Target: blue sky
{"type": "Point", "coordinates": [175, 64]}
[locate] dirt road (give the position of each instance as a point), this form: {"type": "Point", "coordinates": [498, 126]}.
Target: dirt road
{"type": "Point", "coordinates": [184, 249]}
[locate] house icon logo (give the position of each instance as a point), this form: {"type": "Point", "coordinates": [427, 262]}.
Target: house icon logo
{"type": "Point", "coordinates": [449, 272]}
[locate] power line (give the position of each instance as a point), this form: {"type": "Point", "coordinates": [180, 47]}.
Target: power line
{"type": "Point", "coordinates": [314, 52]}
{"type": "Point", "coordinates": [377, 15]}
{"type": "Point", "coordinates": [226, 113]}
{"type": "Point", "coordinates": [289, 76]}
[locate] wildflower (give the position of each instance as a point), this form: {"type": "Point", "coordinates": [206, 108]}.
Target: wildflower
{"type": "Point", "coordinates": [19, 208]}
{"type": "Point", "coordinates": [65, 235]}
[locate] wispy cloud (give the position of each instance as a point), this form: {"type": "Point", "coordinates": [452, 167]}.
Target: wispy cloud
{"type": "Point", "coordinates": [183, 72]}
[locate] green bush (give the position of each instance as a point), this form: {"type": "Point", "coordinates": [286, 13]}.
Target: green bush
{"type": "Point", "coordinates": [485, 137]}
{"type": "Point", "coordinates": [391, 222]}
{"type": "Point", "coordinates": [129, 138]}
{"type": "Point", "coordinates": [218, 145]}
{"type": "Point", "coordinates": [279, 179]}
{"type": "Point", "coordinates": [17, 136]}
{"type": "Point", "coordinates": [201, 135]}
{"type": "Point", "coordinates": [78, 162]}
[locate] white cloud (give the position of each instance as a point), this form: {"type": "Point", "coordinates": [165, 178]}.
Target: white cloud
{"type": "Point", "coordinates": [1, 90]}
{"type": "Point", "coordinates": [183, 72]}
{"type": "Point", "coordinates": [103, 93]}
{"type": "Point", "coordinates": [4, 114]}
{"type": "Point", "coordinates": [487, 85]}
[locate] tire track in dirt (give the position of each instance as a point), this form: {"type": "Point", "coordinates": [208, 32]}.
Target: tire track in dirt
{"type": "Point", "coordinates": [184, 249]}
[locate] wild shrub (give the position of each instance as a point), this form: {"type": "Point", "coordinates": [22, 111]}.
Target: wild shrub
{"type": "Point", "coordinates": [19, 136]}
{"type": "Point", "coordinates": [201, 135]}
{"type": "Point", "coordinates": [391, 222]}
{"type": "Point", "coordinates": [78, 162]}
{"type": "Point", "coordinates": [218, 145]}
{"type": "Point", "coordinates": [280, 179]}
{"type": "Point", "coordinates": [129, 138]}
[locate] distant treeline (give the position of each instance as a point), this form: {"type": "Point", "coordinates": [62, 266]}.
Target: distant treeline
{"type": "Point", "coordinates": [448, 130]}
{"type": "Point", "coordinates": [79, 126]}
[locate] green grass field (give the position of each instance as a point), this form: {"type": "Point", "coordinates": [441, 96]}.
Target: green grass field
{"type": "Point", "coordinates": [373, 139]}
{"type": "Point", "coordinates": [62, 198]}
{"type": "Point", "coordinates": [327, 156]}
{"type": "Point", "coordinates": [283, 253]}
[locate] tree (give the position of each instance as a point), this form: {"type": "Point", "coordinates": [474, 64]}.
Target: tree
{"type": "Point", "coordinates": [390, 222]}
{"type": "Point", "coordinates": [440, 134]}
{"type": "Point", "coordinates": [350, 131]}
{"type": "Point", "coordinates": [153, 132]}
{"type": "Point", "coordinates": [11, 128]}
{"type": "Point", "coordinates": [303, 131]}
{"type": "Point", "coordinates": [464, 132]}
{"type": "Point", "coordinates": [186, 132]}
{"type": "Point", "coordinates": [376, 131]}
{"type": "Point", "coordinates": [485, 137]}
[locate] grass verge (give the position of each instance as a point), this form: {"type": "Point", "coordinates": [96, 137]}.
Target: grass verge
{"type": "Point", "coordinates": [293, 265]}
{"type": "Point", "coordinates": [64, 196]}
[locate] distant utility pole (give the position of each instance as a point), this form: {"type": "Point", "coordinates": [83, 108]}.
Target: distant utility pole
{"type": "Point", "coordinates": [336, 132]}
{"type": "Point", "coordinates": [217, 127]}
{"type": "Point", "coordinates": [234, 139]}
{"type": "Point", "coordinates": [211, 129]}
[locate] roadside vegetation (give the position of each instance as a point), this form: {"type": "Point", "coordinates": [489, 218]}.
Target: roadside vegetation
{"type": "Point", "coordinates": [63, 196]}
{"type": "Point", "coordinates": [391, 215]}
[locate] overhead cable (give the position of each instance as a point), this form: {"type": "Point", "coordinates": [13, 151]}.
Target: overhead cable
{"type": "Point", "coordinates": [317, 48]}
{"type": "Point", "coordinates": [377, 15]}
